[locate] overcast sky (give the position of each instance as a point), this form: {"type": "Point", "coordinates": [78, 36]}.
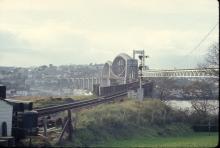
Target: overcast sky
{"type": "Point", "coordinates": [59, 32]}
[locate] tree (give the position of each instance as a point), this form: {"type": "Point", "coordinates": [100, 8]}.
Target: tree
{"type": "Point", "coordinates": [204, 89]}
{"type": "Point", "coordinates": [199, 90]}
{"type": "Point", "coordinates": [163, 88]}
{"type": "Point", "coordinates": [212, 59]}
{"type": "Point", "coordinates": [200, 93]}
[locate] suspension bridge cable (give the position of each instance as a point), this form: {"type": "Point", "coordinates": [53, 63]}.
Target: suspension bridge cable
{"type": "Point", "coordinates": [203, 39]}
{"type": "Point", "coordinates": [186, 56]}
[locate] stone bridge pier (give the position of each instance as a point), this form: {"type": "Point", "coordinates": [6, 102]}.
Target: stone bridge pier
{"type": "Point", "coordinates": [85, 83]}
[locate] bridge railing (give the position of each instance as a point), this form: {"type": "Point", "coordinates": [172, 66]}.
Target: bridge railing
{"type": "Point", "coordinates": [205, 73]}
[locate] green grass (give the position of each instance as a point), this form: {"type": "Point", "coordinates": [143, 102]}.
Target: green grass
{"type": "Point", "coordinates": [130, 123]}
{"type": "Point", "coordinates": [192, 140]}
{"type": "Point", "coordinates": [128, 119]}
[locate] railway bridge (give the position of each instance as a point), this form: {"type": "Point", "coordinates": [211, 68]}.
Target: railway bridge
{"type": "Point", "coordinates": [117, 78]}
{"type": "Point", "coordinates": [124, 69]}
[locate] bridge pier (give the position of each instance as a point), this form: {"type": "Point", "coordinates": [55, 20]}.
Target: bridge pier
{"type": "Point", "coordinates": [72, 82]}
{"type": "Point", "coordinates": [78, 83]}
{"type": "Point", "coordinates": [85, 83]}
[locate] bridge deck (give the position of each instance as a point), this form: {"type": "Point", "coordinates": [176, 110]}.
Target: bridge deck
{"type": "Point", "coordinates": [196, 73]}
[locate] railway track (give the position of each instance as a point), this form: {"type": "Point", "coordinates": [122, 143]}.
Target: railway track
{"type": "Point", "coordinates": [79, 104]}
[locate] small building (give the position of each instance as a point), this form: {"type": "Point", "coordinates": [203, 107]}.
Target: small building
{"type": "Point", "coordinates": [6, 111]}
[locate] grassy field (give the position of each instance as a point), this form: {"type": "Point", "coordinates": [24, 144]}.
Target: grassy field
{"type": "Point", "coordinates": [126, 120]}
{"type": "Point", "coordinates": [193, 140]}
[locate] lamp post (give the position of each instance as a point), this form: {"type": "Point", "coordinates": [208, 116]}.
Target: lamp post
{"type": "Point", "coordinates": [141, 66]}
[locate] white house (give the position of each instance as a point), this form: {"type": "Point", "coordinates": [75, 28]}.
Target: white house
{"type": "Point", "coordinates": [6, 110]}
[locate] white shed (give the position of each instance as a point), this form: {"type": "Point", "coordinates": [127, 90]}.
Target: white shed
{"type": "Point", "coordinates": [6, 111]}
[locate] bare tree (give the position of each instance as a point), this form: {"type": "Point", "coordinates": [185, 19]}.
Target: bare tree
{"type": "Point", "coordinates": [213, 56]}
{"type": "Point", "coordinates": [212, 60]}
{"type": "Point", "coordinates": [203, 91]}
{"type": "Point", "coordinates": [200, 93]}
{"type": "Point", "coordinates": [163, 87]}
{"type": "Point", "coordinates": [211, 63]}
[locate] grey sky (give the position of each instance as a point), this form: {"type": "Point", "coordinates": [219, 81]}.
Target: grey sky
{"type": "Point", "coordinates": [37, 32]}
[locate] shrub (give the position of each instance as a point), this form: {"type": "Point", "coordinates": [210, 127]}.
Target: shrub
{"type": "Point", "coordinates": [127, 119]}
